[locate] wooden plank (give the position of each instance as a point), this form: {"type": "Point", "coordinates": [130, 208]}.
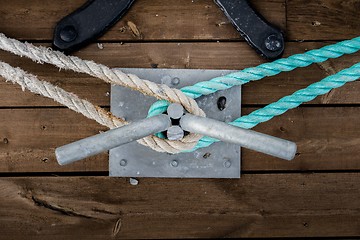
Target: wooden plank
{"type": "Point", "coordinates": [156, 19]}
{"type": "Point", "coordinates": [197, 20]}
{"type": "Point", "coordinates": [327, 138]}
{"type": "Point", "coordinates": [322, 19]}
{"type": "Point", "coordinates": [184, 55]}
{"type": "Point", "coordinates": [258, 205]}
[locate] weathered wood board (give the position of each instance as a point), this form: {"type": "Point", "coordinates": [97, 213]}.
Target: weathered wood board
{"type": "Point", "coordinates": [327, 139]}
{"type": "Point", "coordinates": [316, 195]}
{"type": "Point", "coordinates": [257, 205]}
{"type": "Point", "coordinates": [182, 55]}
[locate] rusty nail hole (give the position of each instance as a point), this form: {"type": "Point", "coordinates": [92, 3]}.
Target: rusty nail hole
{"type": "Point", "coordinates": [45, 160]}
{"type": "Point", "coordinates": [206, 155]}
{"type": "Point", "coordinates": [6, 141]}
{"type": "Point", "coordinates": [282, 129]}
{"type": "Point", "coordinates": [43, 127]}
{"type": "Point", "coordinates": [306, 224]}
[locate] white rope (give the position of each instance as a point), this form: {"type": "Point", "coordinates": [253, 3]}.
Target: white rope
{"type": "Point", "coordinates": [73, 102]}
{"type": "Point", "coordinates": [113, 76]}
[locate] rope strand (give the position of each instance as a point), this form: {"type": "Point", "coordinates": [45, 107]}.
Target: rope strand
{"type": "Point", "coordinates": [186, 95]}
{"type": "Point", "coordinates": [291, 101]}
{"type": "Point", "coordinates": [112, 76]}
{"type": "Point", "coordinates": [263, 70]}
{"type": "Point", "coordinates": [86, 108]}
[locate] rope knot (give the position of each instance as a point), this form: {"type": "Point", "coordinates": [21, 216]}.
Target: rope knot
{"type": "Point", "coordinates": [190, 140]}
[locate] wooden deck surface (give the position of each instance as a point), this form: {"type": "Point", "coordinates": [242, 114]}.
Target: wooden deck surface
{"type": "Point", "coordinates": [315, 195]}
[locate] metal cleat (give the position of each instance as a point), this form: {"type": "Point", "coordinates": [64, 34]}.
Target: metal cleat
{"type": "Point", "coordinates": [205, 126]}
{"type": "Point", "coordinates": [96, 144]}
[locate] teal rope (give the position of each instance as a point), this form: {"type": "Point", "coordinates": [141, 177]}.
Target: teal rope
{"type": "Point", "coordinates": [292, 101]}
{"type": "Point", "coordinates": [263, 70]}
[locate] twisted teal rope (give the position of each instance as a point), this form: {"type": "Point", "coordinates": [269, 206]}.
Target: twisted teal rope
{"type": "Point", "coordinates": [270, 69]}
{"type": "Point", "coordinates": [292, 101]}
{"type": "Point", "coordinates": [263, 70]}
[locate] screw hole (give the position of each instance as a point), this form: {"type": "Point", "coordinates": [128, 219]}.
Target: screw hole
{"type": "Point", "coordinates": [221, 103]}
{"type": "Point", "coordinates": [206, 155]}
{"type": "Point", "coordinates": [6, 141]}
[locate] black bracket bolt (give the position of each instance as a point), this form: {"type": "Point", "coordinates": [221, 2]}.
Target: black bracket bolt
{"type": "Point", "coordinates": [68, 33]}
{"type": "Point", "coordinates": [273, 43]}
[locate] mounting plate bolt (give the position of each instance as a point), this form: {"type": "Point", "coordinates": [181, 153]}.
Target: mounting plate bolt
{"type": "Point", "coordinates": [175, 81]}
{"type": "Point", "coordinates": [174, 163]}
{"type": "Point", "coordinates": [123, 162]}
{"type": "Point", "coordinates": [227, 164]}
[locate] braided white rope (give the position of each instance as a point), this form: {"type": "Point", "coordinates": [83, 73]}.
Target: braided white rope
{"type": "Point", "coordinates": [113, 76]}
{"type": "Point", "coordinates": [73, 102]}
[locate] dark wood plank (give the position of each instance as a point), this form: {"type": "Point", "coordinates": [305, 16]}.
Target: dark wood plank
{"type": "Point", "coordinates": [323, 19]}
{"type": "Point", "coordinates": [34, 136]}
{"type": "Point", "coordinates": [156, 19]}
{"type": "Point", "coordinates": [258, 205]}
{"type": "Point", "coordinates": [198, 20]}
{"type": "Point", "coordinates": [184, 55]}
{"type": "Point", "coordinates": [327, 138]}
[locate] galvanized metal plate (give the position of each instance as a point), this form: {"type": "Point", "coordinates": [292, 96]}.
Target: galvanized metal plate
{"type": "Point", "coordinates": [220, 160]}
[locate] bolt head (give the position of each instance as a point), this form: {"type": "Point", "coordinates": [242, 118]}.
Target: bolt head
{"type": "Point", "coordinates": [175, 81]}
{"type": "Point", "coordinates": [123, 162]}
{"type": "Point", "coordinates": [68, 33]}
{"type": "Point", "coordinates": [273, 43]}
{"type": "Point", "coordinates": [174, 163]}
{"type": "Point", "coordinates": [227, 164]}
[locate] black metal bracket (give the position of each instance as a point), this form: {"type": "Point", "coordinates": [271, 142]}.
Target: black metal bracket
{"type": "Point", "coordinates": [88, 22]}
{"type": "Point", "coordinates": [95, 17]}
{"type": "Point", "coordinates": [266, 39]}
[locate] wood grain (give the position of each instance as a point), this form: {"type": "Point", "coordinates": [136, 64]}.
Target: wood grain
{"type": "Point", "coordinates": [184, 55]}
{"type": "Point", "coordinates": [156, 20]}
{"type": "Point", "coordinates": [274, 198]}
{"type": "Point", "coordinates": [198, 20]}
{"type": "Point", "coordinates": [327, 138]}
{"type": "Point", "coordinates": [257, 205]}
{"type": "Point", "coordinates": [323, 19]}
